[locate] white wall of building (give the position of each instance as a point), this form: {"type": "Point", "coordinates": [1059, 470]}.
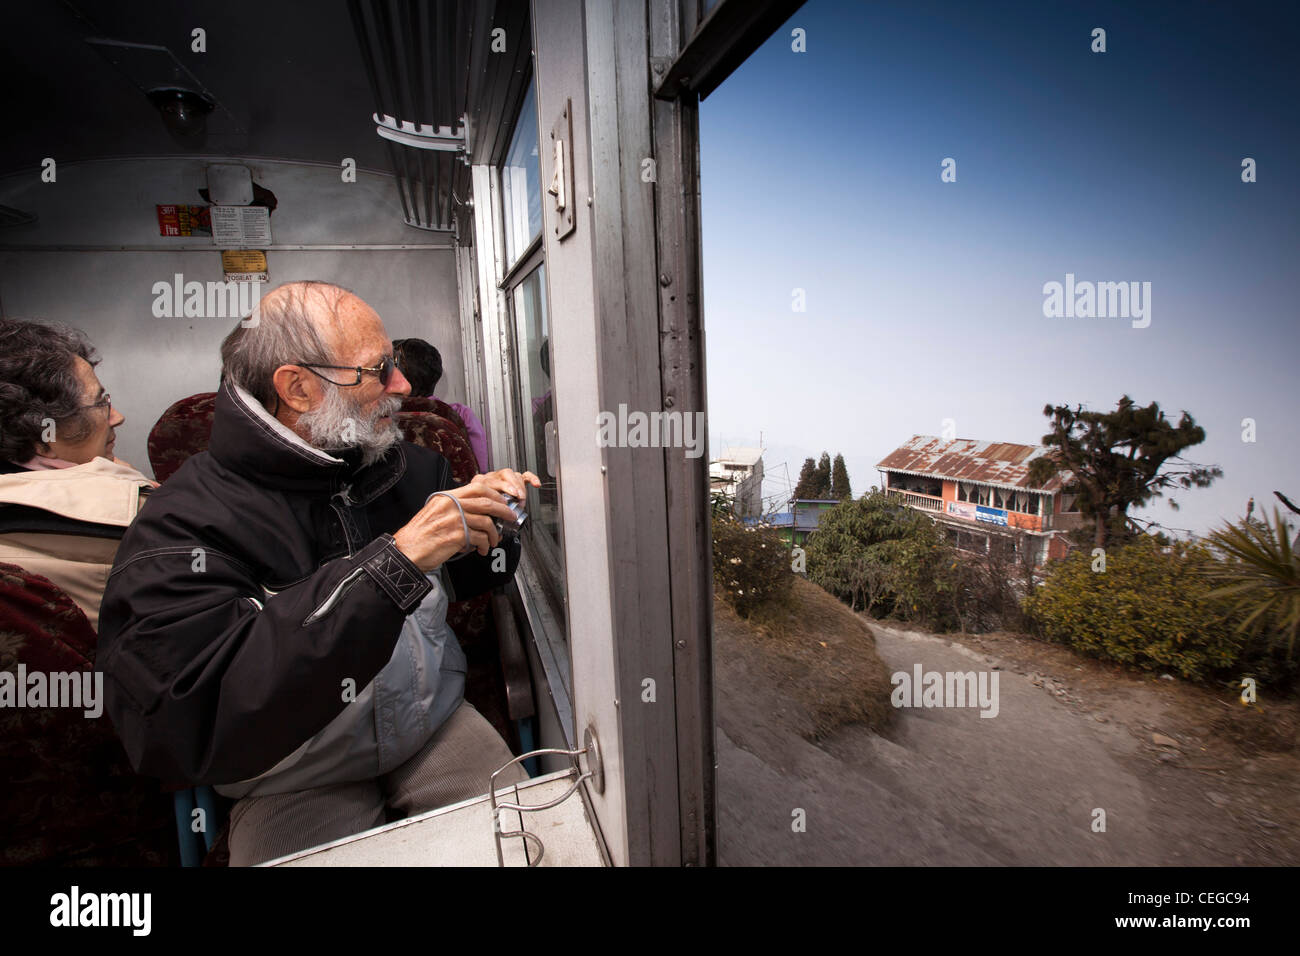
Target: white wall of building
{"type": "Point", "coordinates": [742, 479]}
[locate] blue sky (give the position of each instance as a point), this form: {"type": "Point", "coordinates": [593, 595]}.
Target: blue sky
{"type": "Point", "coordinates": [924, 299]}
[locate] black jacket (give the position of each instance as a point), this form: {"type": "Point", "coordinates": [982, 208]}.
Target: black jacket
{"type": "Point", "coordinates": [254, 582]}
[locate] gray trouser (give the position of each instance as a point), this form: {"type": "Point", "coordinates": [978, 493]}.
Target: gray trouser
{"type": "Point", "coordinates": [454, 765]}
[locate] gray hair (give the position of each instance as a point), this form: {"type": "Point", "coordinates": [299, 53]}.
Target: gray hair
{"type": "Point", "coordinates": [38, 383]}
{"type": "Point", "coordinates": [281, 330]}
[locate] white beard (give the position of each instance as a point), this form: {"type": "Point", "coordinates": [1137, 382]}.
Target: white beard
{"type": "Point", "coordinates": [337, 423]}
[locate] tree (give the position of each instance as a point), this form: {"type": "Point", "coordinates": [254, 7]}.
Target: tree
{"type": "Point", "coordinates": [840, 480]}
{"type": "Point", "coordinates": [1117, 460]}
{"type": "Point", "coordinates": [822, 486]}
{"type": "Point", "coordinates": [806, 484]}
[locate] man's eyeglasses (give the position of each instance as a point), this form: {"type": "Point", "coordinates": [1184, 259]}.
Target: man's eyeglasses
{"type": "Point", "coordinates": [105, 402]}
{"type": "Point", "coordinates": [384, 370]}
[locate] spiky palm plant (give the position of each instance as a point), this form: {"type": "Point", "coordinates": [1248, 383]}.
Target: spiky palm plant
{"type": "Point", "coordinates": [1260, 578]}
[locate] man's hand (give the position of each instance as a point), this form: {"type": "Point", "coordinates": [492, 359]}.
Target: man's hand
{"type": "Point", "coordinates": [509, 482]}
{"type": "Point", "coordinates": [436, 533]}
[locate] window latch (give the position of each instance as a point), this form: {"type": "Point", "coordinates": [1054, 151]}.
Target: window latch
{"type": "Point", "coordinates": [561, 186]}
{"type": "Point", "coordinates": [556, 188]}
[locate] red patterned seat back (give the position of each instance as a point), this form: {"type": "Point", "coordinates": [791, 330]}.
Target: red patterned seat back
{"type": "Point", "coordinates": [440, 434]}
{"type": "Point", "coordinates": [183, 430]}
{"type": "Point", "coordinates": [438, 407]}
{"type": "Point", "coordinates": [70, 796]}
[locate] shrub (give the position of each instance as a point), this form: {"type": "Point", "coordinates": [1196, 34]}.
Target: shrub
{"type": "Point", "coordinates": [888, 557]}
{"type": "Point", "coordinates": [1151, 608]}
{"type": "Point", "coordinates": [1259, 576]}
{"type": "Point", "coordinates": [984, 591]}
{"type": "Point", "coordinates": [918, 562]}
{"type": "Point", "coordinates": [751, 565]}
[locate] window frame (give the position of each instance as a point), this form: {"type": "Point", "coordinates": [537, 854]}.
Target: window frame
{"type": "Point", "coordinates": [529, 259]}
{"type": "Point", "coordinates": [551, 553]}
{"type": "Point", "coordinates": [533, 243]}
{"type": "Point", "coordinates": [541, 588]}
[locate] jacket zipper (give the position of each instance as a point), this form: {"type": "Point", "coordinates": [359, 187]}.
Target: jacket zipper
{"type": "Point", "coordinates": [334, 597]}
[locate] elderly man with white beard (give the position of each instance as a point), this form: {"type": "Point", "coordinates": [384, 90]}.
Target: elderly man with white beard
{"type": "Point", "coordinates": [275, 621]}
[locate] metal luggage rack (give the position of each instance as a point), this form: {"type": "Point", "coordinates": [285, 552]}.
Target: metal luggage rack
{"type": "Point", "coordinates": [595, 772]}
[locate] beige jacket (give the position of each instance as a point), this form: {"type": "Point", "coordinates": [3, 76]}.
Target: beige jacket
{"type": "Point", "coordinates": [101, 492]}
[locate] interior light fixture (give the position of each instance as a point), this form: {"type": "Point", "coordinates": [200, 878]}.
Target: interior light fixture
{"type": "Point", "coordinates": [184, 112]}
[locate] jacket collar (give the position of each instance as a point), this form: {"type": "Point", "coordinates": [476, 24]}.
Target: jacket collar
{"type": "Point", "coordinates": [99, 491]}
{"type": "Point", "coordinates": [248, 440]}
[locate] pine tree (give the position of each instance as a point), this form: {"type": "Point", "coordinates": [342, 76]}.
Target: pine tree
{"type": "Point", "coordinates": [1119, 461]}
{"type": "Point", "coordinates": [822, 485]}
{"type": "Point", "coordinates": [840, 490]}
{"type": "Point", "coordinates": [805, 486]}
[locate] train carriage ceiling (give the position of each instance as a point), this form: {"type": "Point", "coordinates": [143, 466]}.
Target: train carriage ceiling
{"type": "Point", "coordinates": [289, 79]}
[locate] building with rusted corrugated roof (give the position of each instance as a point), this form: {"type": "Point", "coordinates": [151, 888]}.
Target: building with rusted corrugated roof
{"type": "Point", "coordinates": [980, 492]}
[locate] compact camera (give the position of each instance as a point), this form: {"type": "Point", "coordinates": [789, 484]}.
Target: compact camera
{"type": "Point", "coordinates": [510, 529]}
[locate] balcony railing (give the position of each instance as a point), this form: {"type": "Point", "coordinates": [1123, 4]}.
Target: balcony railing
{"type": "Point", "coordinates": [917, 500]}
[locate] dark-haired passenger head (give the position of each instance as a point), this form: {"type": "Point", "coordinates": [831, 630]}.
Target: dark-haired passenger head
{"type": "Point", "coordinates": [52, 404]}
{"type": "Point", "coordinates": [421, 363]}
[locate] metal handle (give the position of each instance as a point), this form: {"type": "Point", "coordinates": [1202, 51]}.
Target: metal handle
{"type": "Point", "coordinates": [595, 772]}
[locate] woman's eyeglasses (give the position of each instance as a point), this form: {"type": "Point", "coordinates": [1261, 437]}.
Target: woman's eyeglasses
{"type": "Point", "coordinates": [384, 370]}
{"type": "Point", "coordinates": [105, 402]}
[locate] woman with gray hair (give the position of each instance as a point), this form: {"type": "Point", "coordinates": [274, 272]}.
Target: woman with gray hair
{"type": "Point", "coordinates": [64, 499]}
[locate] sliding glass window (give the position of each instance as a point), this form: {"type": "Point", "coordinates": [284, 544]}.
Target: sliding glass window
{"type": "Point", "coordinates": [530, 384]}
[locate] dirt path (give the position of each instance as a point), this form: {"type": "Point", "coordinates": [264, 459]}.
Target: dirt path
{"type": "Point", "coordinates": [949, 787]}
